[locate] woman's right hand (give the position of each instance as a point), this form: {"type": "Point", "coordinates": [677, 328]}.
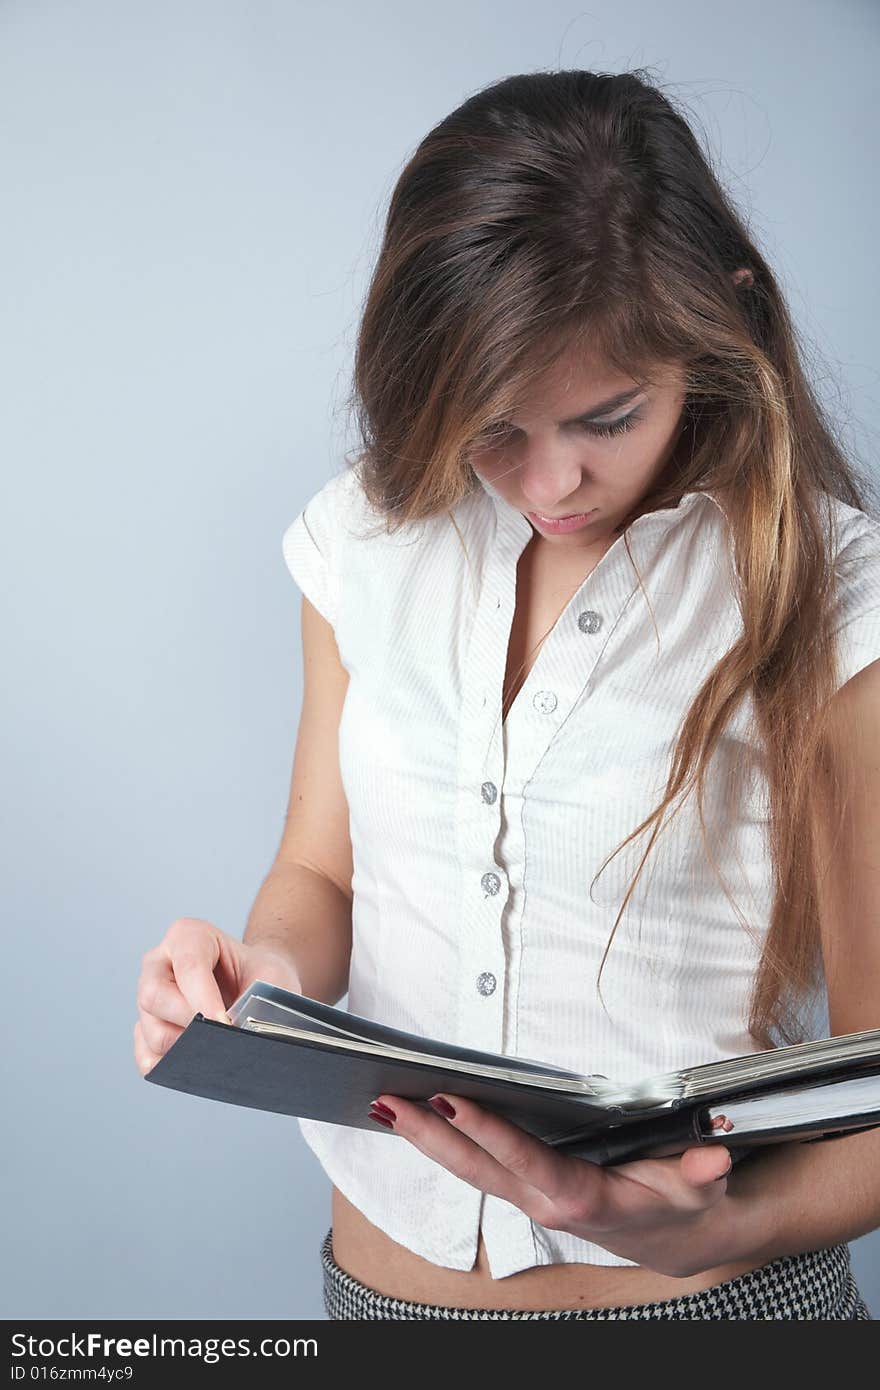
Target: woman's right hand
{"type": "Point", "coordinates": [197, 968]}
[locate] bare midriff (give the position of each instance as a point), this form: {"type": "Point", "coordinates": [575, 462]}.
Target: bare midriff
{"type": "Point", "coordinates": [372, 1257]}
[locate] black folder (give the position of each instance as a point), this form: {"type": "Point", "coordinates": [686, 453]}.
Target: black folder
{"type": "Point", "coordinates": [287, 1053]}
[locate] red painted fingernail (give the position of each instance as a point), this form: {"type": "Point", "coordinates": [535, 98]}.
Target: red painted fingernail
{"type": "Point", "coordinates": [374, 1115]}
{"type": "Point", "coordinates": [385, 1109]}
{"type": "Point", "coordinates": [442, 1107]}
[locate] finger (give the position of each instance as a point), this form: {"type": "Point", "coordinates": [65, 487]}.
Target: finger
{"type": "Point", "coordinates": [722, 1122]}
{"type": "Point", "coordinates": [703, 1167]}
{"type": "Point", "coordinates": [555, 1175]}
{"type": "Point", "coordinates": [157, 1034]}
{"type": "Point", "coordinates": [159, 994]}
{"type": "Point", "coordinates": [684, 1182]}
{"type": "Point", "coordinates": [197, 984]}
{"type": "Point", "coordinates": [144, 1056]}
{"type": "Point", "coordinates": [194, 951]}
{"type": "Point", "coordinates": [435, 1137]}
{"type": "Point", "coordinates": [495, 1155]}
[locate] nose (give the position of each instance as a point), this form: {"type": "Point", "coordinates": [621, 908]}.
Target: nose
{"type": "Point", "coordinates": [551, 483]}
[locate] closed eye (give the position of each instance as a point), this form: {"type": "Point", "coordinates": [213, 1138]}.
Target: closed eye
{"type": "Point", "coordinates": [495, 435]}
{"type": "Point", "coordinates": [615, 427]}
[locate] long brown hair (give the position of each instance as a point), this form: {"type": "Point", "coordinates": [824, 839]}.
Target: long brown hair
{"type": "Point", "coordinates": [566, 209]}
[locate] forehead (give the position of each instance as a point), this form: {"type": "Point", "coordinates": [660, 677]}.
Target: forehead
{"type": "Point", "coordinates": [582, 378]}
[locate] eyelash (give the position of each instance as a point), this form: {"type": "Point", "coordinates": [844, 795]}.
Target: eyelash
{"type": "Point", "coordinates": [618, 427]}
{"type": "Point", "coordinates": [604, 431]}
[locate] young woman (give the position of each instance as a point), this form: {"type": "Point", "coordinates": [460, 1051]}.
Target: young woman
{"type": "Point", "coordinates": [588, 767]}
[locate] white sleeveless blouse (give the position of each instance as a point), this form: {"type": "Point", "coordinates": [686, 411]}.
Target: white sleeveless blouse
{"type": "Point", "coordinates": [475, 845]}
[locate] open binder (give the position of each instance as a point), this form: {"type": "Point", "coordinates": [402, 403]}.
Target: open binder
{"type": "Point", "coordinates": [287, 1053]}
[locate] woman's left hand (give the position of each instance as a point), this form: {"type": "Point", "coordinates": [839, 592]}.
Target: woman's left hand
{"type": "Point", "coordinates": [672, 1215]}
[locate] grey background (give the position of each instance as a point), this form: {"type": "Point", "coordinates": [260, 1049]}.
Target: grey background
{"type": "Point", "coordinates": [193, 196]}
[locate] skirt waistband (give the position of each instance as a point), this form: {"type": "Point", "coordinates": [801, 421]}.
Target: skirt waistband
{"type": "Point", "coordinates": [818, 1285]}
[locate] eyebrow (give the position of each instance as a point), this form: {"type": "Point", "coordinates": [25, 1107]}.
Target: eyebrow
{"type": "Point", "coordinates": [603, 407]}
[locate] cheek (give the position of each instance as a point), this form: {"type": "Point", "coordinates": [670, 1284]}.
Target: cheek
{"type": "Point", "coordinates": [492, 465]}
{"type": "Point", "coordinates": [632, 457]}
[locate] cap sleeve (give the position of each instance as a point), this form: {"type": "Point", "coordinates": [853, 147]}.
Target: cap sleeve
{"type": "Point", "coordinates": [857, 622]}
{"type": "Point", "coordinates": [309, 547]}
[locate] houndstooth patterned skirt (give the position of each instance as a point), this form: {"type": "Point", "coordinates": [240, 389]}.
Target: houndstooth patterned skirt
{"type": "Point", "coordinates": [819, 1286]}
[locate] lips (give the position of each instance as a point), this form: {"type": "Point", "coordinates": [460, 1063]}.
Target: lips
{"type": "Point", "coordinates": [569, 516]}
{"type": "Point", "coordinates": [558, 526]}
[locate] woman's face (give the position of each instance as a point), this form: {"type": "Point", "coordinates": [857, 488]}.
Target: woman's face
{"type": "Point", "coordinates": [549, 459]}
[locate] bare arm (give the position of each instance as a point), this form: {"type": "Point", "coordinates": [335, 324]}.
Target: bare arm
{"type": "Point", "coordinates": [304, 907]}
{"type": "Point", "coordinates": [301, 914]}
